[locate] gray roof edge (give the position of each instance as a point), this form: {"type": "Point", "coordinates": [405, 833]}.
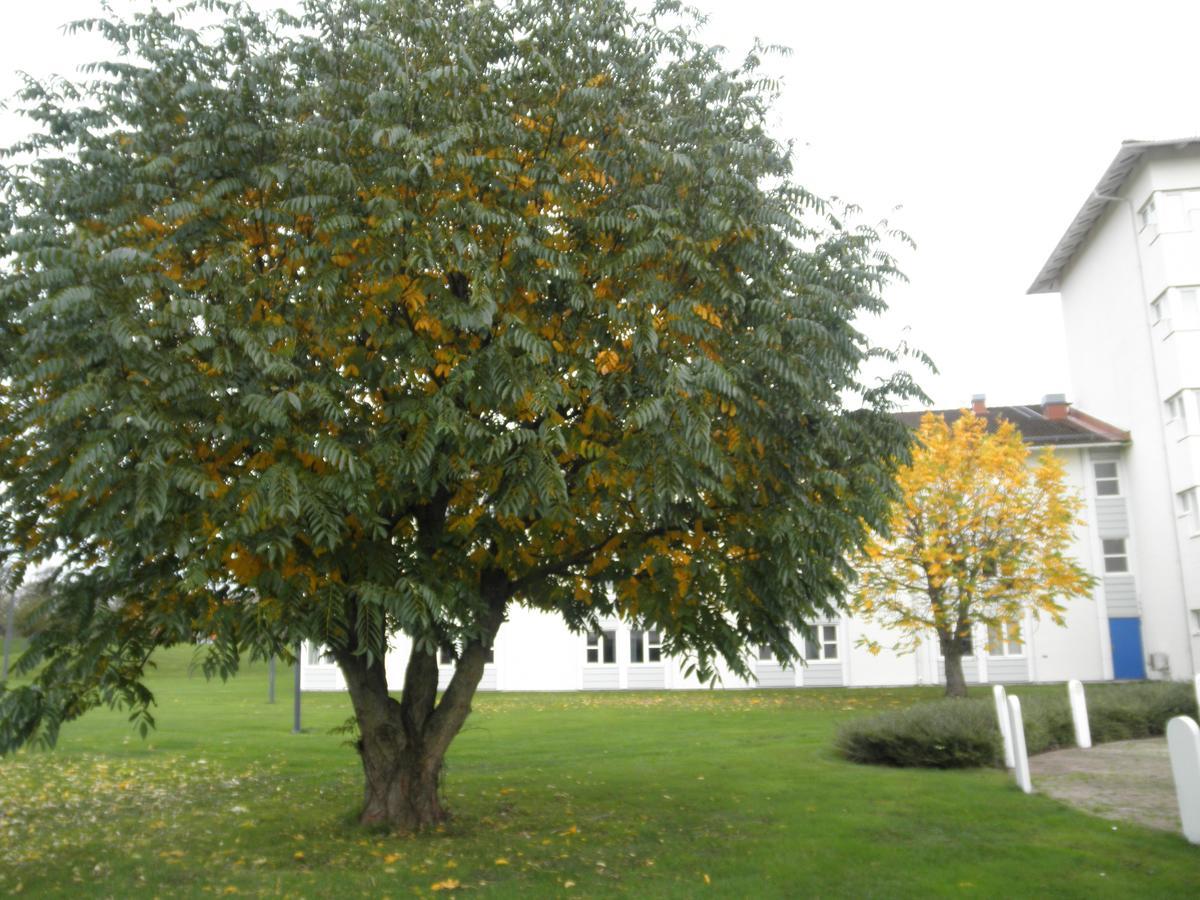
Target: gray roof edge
{"type": "Point", "coordinates": [1049, 279]}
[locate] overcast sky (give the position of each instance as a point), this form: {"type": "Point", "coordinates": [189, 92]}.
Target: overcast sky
{"type": "Point", "coordinates": [977, 128]}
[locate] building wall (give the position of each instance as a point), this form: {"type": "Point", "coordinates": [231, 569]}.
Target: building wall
{"type": "Point", "coordinates": [535, 651]}
{"type": "Point", "coordinates": [1126, 361]}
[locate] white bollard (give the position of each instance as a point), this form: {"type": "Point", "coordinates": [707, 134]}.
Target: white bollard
{"type": "Point", "coordinates": [1183, 742]}
{"type": "Point", "coordinates": [1083, 731]}
{"type": "Point", "coordinates": [1001, 698]}
{"type": "Point", "coordinates": [1016, 726]}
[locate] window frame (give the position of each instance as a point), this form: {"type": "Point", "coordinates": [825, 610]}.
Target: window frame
{"type": "Point", "coordinates": [1185, 306]}
{"type": "Point", "coordinates": [1189, 508]}
{"type": "Point", "coordinates": [1107, 553]}
{"type": "Point", "coordinates": [445, 651]}
{"type": "Point", "coordinates": [1098, 479]}
{"type": "Point", "coordinates": [648, 642]}
{"type": "Point", "coordinates": [318, 655]}
{"type": "Point", "coordinates": [968, 653]}
{"type": "Point", "coordinates": [600, 646]}
{"type": "Point", "coordinates": [820, 641]}
{"type": "Point", "coordinates": [1160, 310]}
{"type": "Point", "coordinates": [1148, 214]}
{"type": "Point", "coordinates": [1003, 635]}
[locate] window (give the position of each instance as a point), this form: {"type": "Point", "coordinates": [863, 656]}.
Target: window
{"type": "Point", "coordinates": [318, 655]}
{"type": "Point", "coordinates": [1158, 309]}
{"type": "Point", "coordinates": [1189, 507]}
{"type": "Point", "coordinates": [1004, 639]}
{"type": "Point", "coordinates": [765, 654]}
{"type": "Point", "coordinates": [645, 647]}
{"type": "Point", "coordinates": [1115, 558]}
{"type": "Point", "coordinates": [967, 643]}
{"type": "Point", "coordinates": [1148, 214]}
{"type": "Point", "coordinates": [1171, 211]}
{"type": "Point", "coordinates": [1176, 411]}
{"type": "Point", "coordinates": [1107, 484]}
{"type": "Point", "coordinates": [602, 647]}
{"type": "Point", "coordinates": [821, 643]}
{"type": "Point", "coordinates": [446, 655]}
{"type": "Point", "coordinates": [1187, 306]}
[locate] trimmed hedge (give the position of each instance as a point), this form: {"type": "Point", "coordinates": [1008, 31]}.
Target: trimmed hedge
{"type": "Point", "coordinates": [957, 734]}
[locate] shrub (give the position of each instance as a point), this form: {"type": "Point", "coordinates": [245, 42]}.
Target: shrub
{"type": "Point", "coordinates": [953, 734]}
{"type": "Point", "coordinates": [945, 734]}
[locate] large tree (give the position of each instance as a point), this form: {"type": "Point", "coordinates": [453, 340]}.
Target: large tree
{"type": "Point", "coordinates": [382, 319]}
{"type": "Point", "coordinates": [981, 538]}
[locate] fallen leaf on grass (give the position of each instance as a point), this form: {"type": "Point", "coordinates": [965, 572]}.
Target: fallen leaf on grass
{"type": "Point", "coordinates": [448, 885]}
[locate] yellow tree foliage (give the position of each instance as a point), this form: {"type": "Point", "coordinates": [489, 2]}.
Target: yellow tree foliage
{"type": "Point", "coordinates": [980, 538]}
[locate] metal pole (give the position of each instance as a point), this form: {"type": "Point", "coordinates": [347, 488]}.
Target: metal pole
{"type": "Point", "coordinates": [296, 699]}
{"type": "Point", "coordinates": [8, 632]}
{"type": "Point", "coordinates": [271, 680]}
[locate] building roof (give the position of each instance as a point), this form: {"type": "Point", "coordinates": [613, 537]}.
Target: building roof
{"type": "Point", "coordinates": [1049, 279]}
{"type": "Point", "coordinates": [1072, 429]}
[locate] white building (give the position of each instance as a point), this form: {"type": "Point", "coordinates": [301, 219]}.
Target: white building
{"type": "Point", "coordinates": [535, 651]}
{"type": "Point", "coordinates": [1128, 272]}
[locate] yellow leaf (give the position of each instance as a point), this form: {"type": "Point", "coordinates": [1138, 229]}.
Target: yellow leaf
{"type": "Point", "coordinates": [607, 361]}
{"type": "Point", "coordinates": [448, 885]}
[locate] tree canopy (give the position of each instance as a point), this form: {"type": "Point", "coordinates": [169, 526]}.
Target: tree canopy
{"type": "Point", "coordinates": [381, 318]}
{"type": "Point", "coordinates": [981, 537]}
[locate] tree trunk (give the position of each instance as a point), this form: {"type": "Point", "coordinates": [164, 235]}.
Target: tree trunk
{"type": "Point", "coordinates": [403, 742]}
{"type": "Point", "coordinates": [956, 683]}
{"type": "Point", "coordinates": [400, 772]}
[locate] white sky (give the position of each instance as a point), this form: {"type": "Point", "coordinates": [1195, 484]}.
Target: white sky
{"type": "Point", "coordinates": [977, 128]}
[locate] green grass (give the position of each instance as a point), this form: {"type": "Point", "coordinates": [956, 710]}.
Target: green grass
{"type": "Point", "coordinates": [658, 794]}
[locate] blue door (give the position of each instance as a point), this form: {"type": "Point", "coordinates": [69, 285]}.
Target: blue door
{"type": "Point", "coordinates": [1127, 648]}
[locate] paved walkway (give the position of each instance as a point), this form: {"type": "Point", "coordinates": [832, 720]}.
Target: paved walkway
{"type": "Point", "coordinates": [1127, 781]}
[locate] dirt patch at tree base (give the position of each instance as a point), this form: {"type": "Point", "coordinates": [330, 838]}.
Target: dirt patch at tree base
{"type": "Point", "coordinates": [1126, 781]}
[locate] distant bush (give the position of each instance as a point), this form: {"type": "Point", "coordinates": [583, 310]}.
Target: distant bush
{"type": "Point", "coordinates": [944, 734]}
{"type": "Point", "coordinates": [956, 734]}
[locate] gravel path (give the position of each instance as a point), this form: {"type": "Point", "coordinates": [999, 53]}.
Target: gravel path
{"type": "Point", "coordinates": [1127, 781]}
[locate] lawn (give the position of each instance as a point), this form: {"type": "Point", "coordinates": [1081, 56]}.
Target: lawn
{"type": "Point", "coordinates": [658, 794]}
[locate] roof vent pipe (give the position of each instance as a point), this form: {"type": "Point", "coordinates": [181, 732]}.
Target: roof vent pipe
{"type": "Point", "coordinates": [979, 404]}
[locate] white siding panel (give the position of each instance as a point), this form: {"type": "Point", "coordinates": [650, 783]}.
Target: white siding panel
{"type": "Point", "coordinates": [488, 681]}
{"type": "Point", "coordinates": [320, 678]}
{"type": "Point", "coordinates": [1120, 596]}
{"type": "Point", "coordinates": [970, 670]}
{"type": "Point", "coordinates": [773, 675]}
{"type": "Point", "coordinates": [828, 674]}
{"type": "Point", "coordinates": [1112, 517]}
{"type": "Point", "coordinates": [647, 678]}
{"type": "Point", "coordinates": [605, 679]}
{"type": "Point", "coordinates": [1005, 670]}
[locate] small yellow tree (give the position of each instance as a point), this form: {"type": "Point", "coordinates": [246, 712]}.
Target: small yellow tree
{"type": "Point", "coordinates": [980, 537]}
